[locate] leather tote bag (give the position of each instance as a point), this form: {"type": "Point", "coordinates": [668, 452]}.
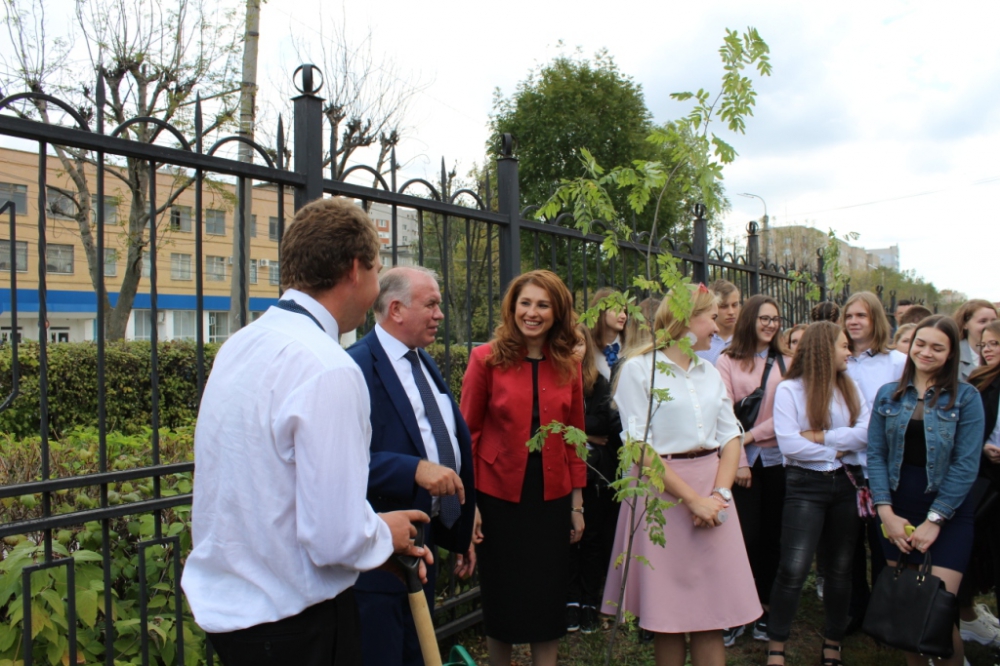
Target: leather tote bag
{"type": "Point", "coordinates": [911, 610]}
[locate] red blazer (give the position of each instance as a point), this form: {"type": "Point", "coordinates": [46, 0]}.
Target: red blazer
{"type": "Point", "coordinates": [496, 403]}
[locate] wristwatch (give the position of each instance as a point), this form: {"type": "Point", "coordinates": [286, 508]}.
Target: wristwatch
{"type": "Point", "coordinates": [724, 493]}
{"type": "Point", "coordinates": [935, 517]}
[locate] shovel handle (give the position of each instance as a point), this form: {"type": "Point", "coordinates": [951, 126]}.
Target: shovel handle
{"type": "Point", "coordinates": [425, 628]}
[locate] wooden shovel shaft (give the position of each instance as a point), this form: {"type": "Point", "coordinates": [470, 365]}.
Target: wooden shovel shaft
{"type": "Point", "coordinates": [425, 629]}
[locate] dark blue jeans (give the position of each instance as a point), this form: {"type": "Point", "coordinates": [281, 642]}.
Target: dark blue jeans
{"type": "Point", "coordinates": [821, 511]}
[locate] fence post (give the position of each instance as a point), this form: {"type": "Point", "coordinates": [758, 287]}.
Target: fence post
{"type": "Point", "coordinates": [699, 246]}
{"type": "Point", "coordinates": [307, 120]}
{"type": "Point", "coordinates": [821, 274]}
{"type": "Point", "coordinates": [753, 257]}
{"type": "Point", "coordinates": [509, 200]}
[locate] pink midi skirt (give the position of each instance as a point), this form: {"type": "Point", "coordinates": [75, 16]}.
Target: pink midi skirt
{"type": "Point", "coordinates": [700, 581]}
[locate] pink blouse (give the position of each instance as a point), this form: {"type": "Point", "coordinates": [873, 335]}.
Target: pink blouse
{"type": "Point", "coordinates": [740, 383]}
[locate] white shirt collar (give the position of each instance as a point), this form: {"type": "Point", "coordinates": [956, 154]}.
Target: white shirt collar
{"type": "Point", "coordinates": [316, 309]}
{"type": "Point", "coordinates": [696, 362]}
{"type": "Point", "coordinates": [392, 346]}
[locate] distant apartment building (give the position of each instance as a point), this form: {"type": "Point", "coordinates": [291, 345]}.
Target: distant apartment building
{"type": "Point", "coordinates": [71, 299]}
{"type": "Point", "coordinates": [886, 256]}
{"type": "Point", "coordinates": [798, 245]}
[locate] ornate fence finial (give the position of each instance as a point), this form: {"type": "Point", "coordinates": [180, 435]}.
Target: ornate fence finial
{"type": "Point", "coordinates": [752, 228]}
{"type": "Point", "coordinates": [507, 143]}
{"type": "Point", "coordinates": [308, 84]}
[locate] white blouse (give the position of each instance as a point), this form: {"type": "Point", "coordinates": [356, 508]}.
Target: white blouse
{"type": "Point", "coordinates": [791, 419]}
{"type": "Point", "coordinates": [698, 415]}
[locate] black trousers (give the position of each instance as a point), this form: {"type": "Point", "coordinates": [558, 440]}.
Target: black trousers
{"type": "Point", "coordinates": [821, 511]}
{"type": "Point", "coordinates": [860, 588]}
{"type": "Point", "coordinates": [760, 508]}
{"type": "Point", "coordinates": [327, 634]}
{"type": "Point", "coordinates": [589, 558]}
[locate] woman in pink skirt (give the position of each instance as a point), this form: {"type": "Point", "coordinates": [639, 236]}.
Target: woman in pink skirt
{"type": "Point", "coordinates": [700, 582]}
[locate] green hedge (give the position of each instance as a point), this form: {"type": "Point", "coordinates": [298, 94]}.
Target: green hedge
{"type": "Point", "coordinates": [72, 386]}
{"type": "Point", "coordinates": [72, 381]}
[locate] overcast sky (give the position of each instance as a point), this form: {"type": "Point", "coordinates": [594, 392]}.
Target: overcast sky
{"type": "Point", "coordinates": [880, 118]}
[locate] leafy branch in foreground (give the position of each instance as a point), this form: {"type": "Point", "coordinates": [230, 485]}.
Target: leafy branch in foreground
{"type": "Point", "coordinates": [703, 155]}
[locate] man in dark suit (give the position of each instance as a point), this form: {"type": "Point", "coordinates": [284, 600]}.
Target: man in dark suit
{"type": "Point", "coordinates": [421, 455]}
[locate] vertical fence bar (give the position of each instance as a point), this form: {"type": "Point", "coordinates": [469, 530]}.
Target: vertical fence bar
{"type": "Point", "coordinates": [199, 253]}
{"type": "Point", "coordinates": [510, 195]}
{"type": "Point", "coordinates": [43, 339]}
{"type": "Point", "coordinates": [281, 198]}
{"type": "Point", "coordinates": [241, 221]}
{"type": "Point", "coordinates": [699, 245]}
{"type": "Point", "coordinates": [308, 151]}
{"type": "Point", "coordinates": [394, 230]}
{"type": "Point", "coordinates": [154, 354]}
{"type": "Point", "coordinates": [445, 273]}
{"type": "Point", "coordinates": [753, 258]}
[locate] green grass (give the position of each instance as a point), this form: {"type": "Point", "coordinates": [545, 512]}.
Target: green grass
{"type": "Point", "coordinates": [802, 648]}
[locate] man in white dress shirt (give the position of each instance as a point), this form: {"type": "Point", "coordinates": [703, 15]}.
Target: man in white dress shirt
{"type": "Point", "coordinates": [281, 525]}
{"type": "Point", "coordinates": [871, 366]}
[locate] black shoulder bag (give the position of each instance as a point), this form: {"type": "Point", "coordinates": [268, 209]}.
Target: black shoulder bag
{"type": "Point", "coordinates": [911, 610]}
{"type": "Point", "coordinates": [748, 408]}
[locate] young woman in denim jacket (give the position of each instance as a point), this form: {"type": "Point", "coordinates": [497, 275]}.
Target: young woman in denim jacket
{"type": "Point", "coordinates": [924, 441]}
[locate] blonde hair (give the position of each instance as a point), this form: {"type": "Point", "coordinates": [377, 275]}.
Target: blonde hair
{"type": "Point", "coordinates": [702, 301]}
{"type": "Point", "coordinates": [900, 332]}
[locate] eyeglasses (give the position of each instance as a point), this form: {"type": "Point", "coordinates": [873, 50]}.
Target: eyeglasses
{"type": "Point", "coordinates": [992, 344]}
{"type": "Point", "coordinates": [768, 321]}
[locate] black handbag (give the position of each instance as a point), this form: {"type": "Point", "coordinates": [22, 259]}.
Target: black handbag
{"type": "Point", "coordinates": [748, 408]}
{"type": "Point", "coordinates": [911, 610]}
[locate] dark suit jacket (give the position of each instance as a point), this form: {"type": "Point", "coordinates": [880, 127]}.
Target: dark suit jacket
{"type": "Point", "coordinates": [396, 449]}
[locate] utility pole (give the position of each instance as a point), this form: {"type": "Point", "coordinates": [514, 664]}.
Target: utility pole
{"type": "Point", "coordinates": [248, 115]}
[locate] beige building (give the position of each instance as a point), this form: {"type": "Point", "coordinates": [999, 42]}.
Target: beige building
{"type": "Point", "coordinates": [71, 298]}
{"type": "Point", "coordinates": [798, 244]}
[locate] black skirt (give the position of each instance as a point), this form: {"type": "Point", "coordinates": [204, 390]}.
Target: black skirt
{"type": "Point", "coordinates": [523, 562]}
{"type": "Point", "coordinates": [952, 548]}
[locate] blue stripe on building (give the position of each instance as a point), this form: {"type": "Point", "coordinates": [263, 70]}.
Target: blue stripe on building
{"type": "Point", "coordinates": [85, 302]}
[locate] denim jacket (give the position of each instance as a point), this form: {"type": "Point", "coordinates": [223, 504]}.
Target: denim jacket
{"type": "Point", "coordinates": [954, 443]}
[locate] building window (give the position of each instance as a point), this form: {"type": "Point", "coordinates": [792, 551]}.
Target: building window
{"type": "Point", "coordinates": [272, 228]}
{"type": "Point", "coordinates": [20, 258]}
{"type": "Point", "coordinates": [255, 315]}
{"type": "Point", "coordinates": [274, 274]}
{"type": "Point", "coordinates": [215, 222]}
{"type": "Point", "coordinates": [218, 326]}
{"type": "Point", "coordinates": [59, 259]}
{"type": "Point", "coordinates": [110, 210]}
{"type": "Point", "coordinates": [253, 226]}
{"type": "Point", "coordinates": [110, 262]}
{"type": "Point", "coordinates": [215, 269]}
{"type": "Point", "coordinates": [253, 271]}
{"type": "Point", "coordinates": [142, 324]}
{"type": "Point", "coordinates": [184, 324]}
{"type": "Point", "coordinates": [58, 203]}
{"type": "Point", "coordinates": [16, 193]}
{"type": "Point", "coordinates": [180, 218]}
{"type": "Point", "coordinates": [6, 334]}
{"type": "Point", "coordinates": [180, 266]}
{"type": "Point", "coordinates": [60, 334]}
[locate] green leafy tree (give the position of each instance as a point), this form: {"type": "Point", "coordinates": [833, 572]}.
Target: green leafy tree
{"type": "Point", "coordinates": [563, 106]}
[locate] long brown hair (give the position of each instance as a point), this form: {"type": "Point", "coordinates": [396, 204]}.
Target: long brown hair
{"type": "Point", "coordinates": [945, 379]}
{"type": "Point", "coordinates": [969, 308]}
{"type": "Point", "coordinates": [587, 364]}
{"type": "Point", "coordinates": [507, 346]}
{"type": "Point", "coordinates": [815, 363]}
{"type": "Point", "coordinates": [786, 336]}
{"type": "Point", "coordinates": [881, 331]}
{"type": "Point", "coordinates": [984, 375]}
{"type": "Point", "coordinates": [601, 325]}
{"type": "Point", "coordinates": [743, 348]}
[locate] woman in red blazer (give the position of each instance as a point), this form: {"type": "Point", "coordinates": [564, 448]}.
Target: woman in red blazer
{"type": "Point", "coordinates": [529, 505]}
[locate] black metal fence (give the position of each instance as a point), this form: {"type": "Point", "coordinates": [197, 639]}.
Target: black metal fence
{"type": "Point", "coordinates": [91, 553]}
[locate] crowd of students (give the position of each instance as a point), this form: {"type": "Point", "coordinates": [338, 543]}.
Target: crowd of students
{"type": "Point", "coordinates": [845, 403]}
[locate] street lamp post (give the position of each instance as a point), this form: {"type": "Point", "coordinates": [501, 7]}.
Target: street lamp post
{"type": "Point", "coordinates": [767, 247]}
